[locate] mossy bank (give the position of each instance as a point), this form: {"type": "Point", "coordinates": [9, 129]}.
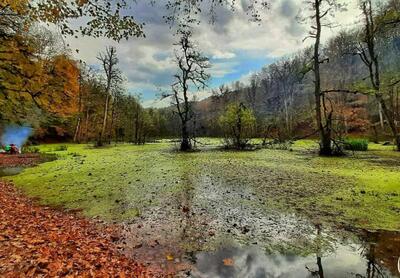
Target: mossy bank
{"type": "Point", "coordinates": [120, 182]}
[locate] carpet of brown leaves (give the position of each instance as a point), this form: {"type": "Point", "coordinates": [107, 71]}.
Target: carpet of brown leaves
{"type": "Point", "coordinates": [19, 160]}
{"type": "Point", "coordinates": [37, 241]}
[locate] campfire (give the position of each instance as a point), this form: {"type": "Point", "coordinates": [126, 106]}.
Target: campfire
{"type": "Point", "coordinates": [11, 149]}
{"type": "Point", "coordinates": [13, 138]}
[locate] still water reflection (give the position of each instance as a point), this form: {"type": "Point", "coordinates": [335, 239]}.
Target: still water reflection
{"type": "Point", "coordinates": [345, 261]}
{"type": "Point", "coordinates": [10, 171]}
{"type": "Point", "coordinates": [375, 256]}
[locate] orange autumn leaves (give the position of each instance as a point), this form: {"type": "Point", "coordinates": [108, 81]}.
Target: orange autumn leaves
{"type": "Point", "coordinates": [41, 242]}
{"type": "Point", "coordinates": [18, 6]}
{"type": "Point", "coordinates": [52, 84]}
{"type": "Point", "coordinates": [29, 75]}
{"type": "Point", "coordinates": [60, 96]}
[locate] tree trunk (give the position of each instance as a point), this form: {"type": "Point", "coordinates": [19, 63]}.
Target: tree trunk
{"type": "Point", "coordinates": [111, 128]}
{"type": "Point", "coordinates": [239, 129]}
{"type": "Point", "coordinates": [78, 124]}
{"type": "Point", "coordinates": [381, 117]}
{"type": "Point", "coordinates": [103, 129]}
{"type": "Point", "coordinates": [324, 131]}
{"type": "Point", "coordinates": [77, 130]}
{"type": "Point", "coordinates": [391, 121]}
{"type": "Point", "coordinates": [398, 143]}
{"type": "Point", "coordinates": [374, 70]}
{"type": "Point", "coordinates": [136, 127]}
{"type": "Point", "coordinates": [87, 125]}
{"type": "Point", "coordinates": [185, 142]}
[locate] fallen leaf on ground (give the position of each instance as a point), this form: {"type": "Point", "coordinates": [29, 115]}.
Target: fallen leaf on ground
{"type": "Point", "coordinates": [228, 262]}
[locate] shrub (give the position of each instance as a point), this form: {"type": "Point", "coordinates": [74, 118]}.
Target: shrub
{"type": "Point", "coordinates": [60, 148]}
{"type": "Point", "coordinates": [238, 124]}
{"type": "Point", "coordinates": [278, 145]}
{"type": "Point", "coordinates": [356, 145]}
{"type": "Point", "coordinates": [31, 149]}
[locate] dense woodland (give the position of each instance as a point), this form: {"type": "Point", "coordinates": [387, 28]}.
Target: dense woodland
{"type": "Point", "coordinates": [348, 86]}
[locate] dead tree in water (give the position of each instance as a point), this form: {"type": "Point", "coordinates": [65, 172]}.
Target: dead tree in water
{"type": "Point", "coordinates": [192, 66]}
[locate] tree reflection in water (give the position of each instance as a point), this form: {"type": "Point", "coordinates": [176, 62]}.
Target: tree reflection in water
{"type": "Point", "coordinates": [375, 258]}
{"type": "Point", "coordinates": [377, 247]}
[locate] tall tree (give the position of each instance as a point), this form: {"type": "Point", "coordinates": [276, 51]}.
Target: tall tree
{"type": "Point", "coordinates": [109, 61]}
{"type": "Point", "coordinates": [370, 57]}
{"type": "Point", "coordinates": [192, 66]}
{"type": "Point", "coordinates": [320, 11]}
{"type": "Point", "coordinates": [251, 94]}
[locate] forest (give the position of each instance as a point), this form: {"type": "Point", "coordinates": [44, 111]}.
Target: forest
{"type": "Point", "coordinates": [293, 171]}
{"type": "Point", "coordinates": [65, 99]}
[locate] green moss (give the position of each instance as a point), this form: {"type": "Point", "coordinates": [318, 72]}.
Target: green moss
{"type": "Point", "coordinates": [121, 182]}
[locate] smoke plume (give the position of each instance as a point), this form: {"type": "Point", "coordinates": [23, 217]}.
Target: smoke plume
{"type": "Point", "coordinates": [17, 135]}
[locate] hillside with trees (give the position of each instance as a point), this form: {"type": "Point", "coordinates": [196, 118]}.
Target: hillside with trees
{"type": "Point", "coordinates": [65, 98]}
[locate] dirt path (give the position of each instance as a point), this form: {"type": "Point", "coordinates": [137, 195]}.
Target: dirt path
{"type": "Point", "coordinates": [38, 241]}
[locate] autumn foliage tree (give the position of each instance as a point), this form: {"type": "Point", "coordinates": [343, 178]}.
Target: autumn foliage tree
{"type": "Point", "coordinates": [22, 68]}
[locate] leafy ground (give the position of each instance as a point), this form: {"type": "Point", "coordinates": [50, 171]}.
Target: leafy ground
{"type": "Point", "coordinates": [41, 242]}
{"type": "Point", "coordinates": [122, 182]}
{"type": "Point", "coordinates": [24, 160]}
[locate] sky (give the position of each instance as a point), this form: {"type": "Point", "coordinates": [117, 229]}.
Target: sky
{"type": "Point", "coordinates": [235, 46]}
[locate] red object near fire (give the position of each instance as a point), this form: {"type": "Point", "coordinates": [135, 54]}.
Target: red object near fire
{"type": "Point", "coordinates": [12, 149]}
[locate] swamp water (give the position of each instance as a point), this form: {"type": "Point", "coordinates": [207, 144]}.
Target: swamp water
{"type": "Point", "coordinates": [10, 171]}
{"type": "Point", "coordinates": [200, 220]}
{"type": "Point", "coordinates": [212, 231]}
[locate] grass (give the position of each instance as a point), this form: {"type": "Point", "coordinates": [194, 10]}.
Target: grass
{"type": "Point", "coordinates": [356, 145]}
{"type": "Point", "coordinates": [118, 183]}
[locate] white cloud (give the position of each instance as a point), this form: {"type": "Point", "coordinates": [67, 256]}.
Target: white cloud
{"type": "Point", "coordinates": [166, 102]}
{"type": "Point", "coordinates": [223, 55]}
{"type": "Point", "coordinates": [221, 69]}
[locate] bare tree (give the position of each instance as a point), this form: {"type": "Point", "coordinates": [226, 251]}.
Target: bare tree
{"type": "Point", "coordinates": [285, 76]}
{"type": "Point", "coordinates": [221, 93]}
{"type": "Point", "coordinates": [320, 11]}
{"type": "Point", "coordinates": [109, 63]}
{"type": "Point", "coordinates": [80, 104]}
{"type": "Point", "coordinates": [369, 55]}
{"type": "Point", "coordinates": [251, 92]}
{"type": "Point", "coordinates": [192, 66]}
